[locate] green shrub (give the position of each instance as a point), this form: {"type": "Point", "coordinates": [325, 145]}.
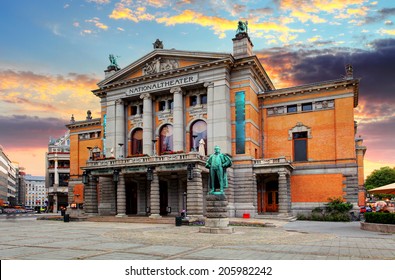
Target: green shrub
{"type": "Point", "coordinates": [380, 218]}
{"type": "Point", "coordinates": [337, 205]}
{"type": "Point", "coordinates": [335, 211]}
{"type": "Point", "coordinates": [301, 217]}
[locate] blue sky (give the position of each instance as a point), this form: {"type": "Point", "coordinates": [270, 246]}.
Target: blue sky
{"type": "Point", "coordinates": [52, 54]}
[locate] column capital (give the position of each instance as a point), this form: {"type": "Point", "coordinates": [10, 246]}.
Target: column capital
{"type": "Point", "coordinates": [208, 84]}
{"type": "Point", "coordinates": [282, 174]}
{"type": "Point", "coordinates": [146, 96]}
{"type": "Point", "coordinates": [119, 101]}
{"type": "Point", "coordinates": [176, 90]}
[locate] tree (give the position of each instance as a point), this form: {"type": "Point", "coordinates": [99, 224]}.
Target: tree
{"type": "Point", "coordinates": [383, 176]}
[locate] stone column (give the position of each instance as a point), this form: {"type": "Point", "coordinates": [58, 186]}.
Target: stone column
{"type": "Point", "coordinates": [110, 139]}
{"type": "Point", "coordinates": [90, 195]}
{"type": "Point", "coordinates": [210, 120]}
{"type": "Point", "coordinates": [56, 175]}
{"type": "Point", "coordinates": [218, 115]}
{"type": "Point", "coordinates": [55, 186]}
{"type": "Point", "coordinates": [195, 194]}
{"type": "Point", "coordinates": [155, 199]}
{"type": "Point", "coordinates": [178, 119]}
{"type": "Point", "coordinates": [119, 128]}
{"type": "Point", "coordinates": [107, 196]}
{"type": "Point", "coordinates": [121, 197]}
{"type": "Point", "coordinates": [283, 194]}
{"type": "Point", "coordinates": [147, 123]}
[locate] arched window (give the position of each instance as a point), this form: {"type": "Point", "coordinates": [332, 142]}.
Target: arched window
{"type": "Point", "coordinates": [198, 132]}
{"type": "Point", "coordinates": [137, 141]}
{"type": "Point", "coordinates": [166, 138]}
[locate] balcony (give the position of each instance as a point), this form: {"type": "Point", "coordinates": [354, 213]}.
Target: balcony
{"type": "Point", "coordinates": [146, 160]}
{"type": "Point", "coordinates": [271, 162]}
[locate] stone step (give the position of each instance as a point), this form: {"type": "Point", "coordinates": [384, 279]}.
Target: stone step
{"type": "Point", "coordinates": [275, 217]}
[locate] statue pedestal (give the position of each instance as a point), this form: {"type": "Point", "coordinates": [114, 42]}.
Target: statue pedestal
{"type": "Point", "coordinates": [217, 215]}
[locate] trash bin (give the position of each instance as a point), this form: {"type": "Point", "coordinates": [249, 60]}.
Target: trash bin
{"type": "Point", "coordinates": [178, 221]}
{"type": "Point", "coordinates": [66, 218]}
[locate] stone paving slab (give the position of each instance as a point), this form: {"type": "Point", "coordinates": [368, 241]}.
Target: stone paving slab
{"type": "Point", "coordinates": [56, 240]}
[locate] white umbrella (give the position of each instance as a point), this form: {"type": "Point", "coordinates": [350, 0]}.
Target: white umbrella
{"type": "Point", "coordinates": [387, 189]}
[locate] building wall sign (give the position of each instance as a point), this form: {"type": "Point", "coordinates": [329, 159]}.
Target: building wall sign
{"type": "Point", "coordinates": [168, 83]}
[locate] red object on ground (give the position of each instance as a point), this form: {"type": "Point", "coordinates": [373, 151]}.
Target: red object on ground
{"type": "Point", "coordinates": [246, 215]}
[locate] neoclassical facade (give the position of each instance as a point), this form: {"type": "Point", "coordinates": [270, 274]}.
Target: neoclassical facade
{"type": "Point", "coordinates": [291, 148]}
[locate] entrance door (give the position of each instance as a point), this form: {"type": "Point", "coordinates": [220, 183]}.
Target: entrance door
{"type": "Point", "coordinates": [271, 197]}
{"type": "Point", "coordinates": [163, 196]}
{"type": "Point", "coordinates": [131, 198]}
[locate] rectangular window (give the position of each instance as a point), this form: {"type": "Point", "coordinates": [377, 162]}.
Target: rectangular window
{"type": "Point", "coordinates": [193, 100]}
{"type": "Point", "coordinates": [307, 106]}
{"type": "Point", "coordinates": [133, 110]}
{"type": "Point", "coordinates": [162, 105]}
{"type": "Point", "coordinates": [240, 122]}
{"type": "Point", "coordinates": [203, 99]}
{"type": "Point", "coordinates": [300, 146]}
{"type": "Point", "coordinates": [292, 108]}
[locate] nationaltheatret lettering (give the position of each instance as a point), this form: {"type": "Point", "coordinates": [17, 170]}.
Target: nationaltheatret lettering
{"type": "Point", "coordinates": [185, 80]}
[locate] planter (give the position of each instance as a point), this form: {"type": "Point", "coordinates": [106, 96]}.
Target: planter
{"type": "Point", "coordinates": [386, 228]}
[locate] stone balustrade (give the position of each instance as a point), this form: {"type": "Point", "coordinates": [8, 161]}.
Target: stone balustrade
{"type": "Point", "coordinates": [143, 160]}
{"type": "Point", "coordinates": [270, 161]}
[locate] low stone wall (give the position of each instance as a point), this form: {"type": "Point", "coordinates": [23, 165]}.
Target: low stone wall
{"type": "Point", "coordinates": [378, 227]}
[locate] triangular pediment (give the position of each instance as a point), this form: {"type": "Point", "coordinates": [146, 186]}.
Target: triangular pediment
{"type": "Point", "coordinates": [161, 61]}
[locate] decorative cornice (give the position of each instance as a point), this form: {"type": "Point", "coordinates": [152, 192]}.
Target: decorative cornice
{"type": "Point", "coordinates": [79, 124]}
{"type": "Point", "coordinates": [172, 73]}
{"type": "Point", "coordinates": [314, 88]}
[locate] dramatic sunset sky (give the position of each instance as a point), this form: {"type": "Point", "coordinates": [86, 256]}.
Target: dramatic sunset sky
{"type": "Point", "coordinates": [52, 54]}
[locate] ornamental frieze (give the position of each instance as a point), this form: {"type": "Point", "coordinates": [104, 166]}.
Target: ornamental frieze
{"type": "Point", "coordinates": [158, 65]}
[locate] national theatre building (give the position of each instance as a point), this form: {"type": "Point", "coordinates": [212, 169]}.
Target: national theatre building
{"type": "Point", "coordinates": [163, 114]}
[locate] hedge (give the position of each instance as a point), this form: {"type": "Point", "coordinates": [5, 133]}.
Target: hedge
{"type": "Point", "coordinates": [380, 218]}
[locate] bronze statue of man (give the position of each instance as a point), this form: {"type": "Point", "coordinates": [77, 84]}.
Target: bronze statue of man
{"type": "Point", "coordinates": [218, 163]}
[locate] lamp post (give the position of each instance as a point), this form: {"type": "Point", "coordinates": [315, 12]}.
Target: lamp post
{"type": "Point", "coordinates": [184, 204]}
{"type": "Point", "coordinates": [85, 178]}
{"type": "Point", "coordinates": [190, 171]}
{"type": "Point", "coordinates": [115, 179]}
{"type": "Point", "coordinates": [150, 173]}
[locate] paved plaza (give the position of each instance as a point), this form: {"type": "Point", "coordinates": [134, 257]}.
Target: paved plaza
{"type": "Point", "coordinates": [26, 238]}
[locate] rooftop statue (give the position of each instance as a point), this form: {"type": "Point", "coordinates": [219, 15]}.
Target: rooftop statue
{"type": "Point", "coordinates": [242, 27]}
{"type": "Point", "coordinates": [218, 163]}
{"type": "Point", "coordinates": [113, 61]}
{"type": "Point", "coordinates": [158, 44]}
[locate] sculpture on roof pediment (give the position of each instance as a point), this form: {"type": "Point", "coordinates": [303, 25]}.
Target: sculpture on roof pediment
{"type": "Point", "coordinates": [152, 67]}
{"type": "Point", "coordinates": [168, 64]}
{"type": "Point", "coordinates": [158, 65]}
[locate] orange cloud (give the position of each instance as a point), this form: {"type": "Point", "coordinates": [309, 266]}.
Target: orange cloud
{"type": "Point", "coordinates": [97, 23]}
{"type": "Point", "coordinates": [122, 12]}
{"type": "Point", "coordinates": [309, 10]}
{"type": "Point", "coordinates": [387, 31]}
{"type": "Point", "coordinates": [46, 95]}
{"type": "Point", "coordinates": [219, 25]}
